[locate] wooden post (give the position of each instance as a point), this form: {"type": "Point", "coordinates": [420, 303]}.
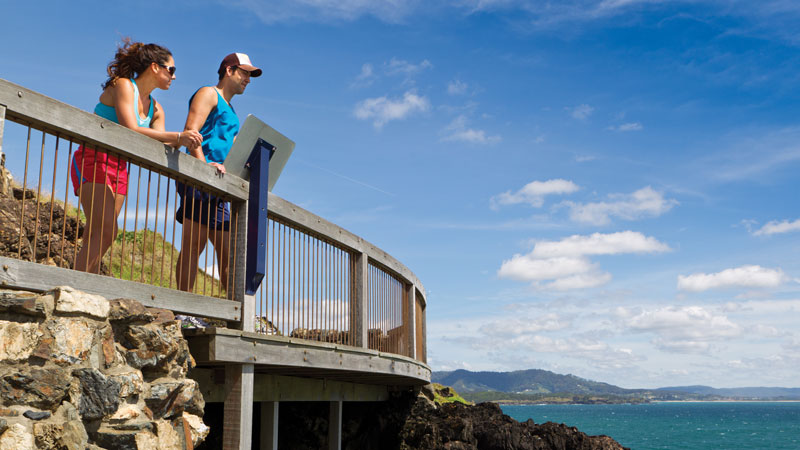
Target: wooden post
{"type": "Point", "coordinates": [2, 125]}
{"type": "Point", "coordinates": [335, 426]}
{"type": "Point", "coordinates": [411, 324]}
{"type": "Point", "coordinates": [238, 410]}
{"type": "Point", "coordinates": [360, 299]}
{"type": "Point", "coordinates": [269, 425]}
{"type": "Point", "coordinates": [424, 356]}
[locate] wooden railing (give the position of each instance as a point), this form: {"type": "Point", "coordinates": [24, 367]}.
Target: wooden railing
{"type": "Point", "coordinates": [322, 282]}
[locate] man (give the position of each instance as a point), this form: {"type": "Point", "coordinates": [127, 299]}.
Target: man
{"type": "Point", "coordinates": [205, 217]}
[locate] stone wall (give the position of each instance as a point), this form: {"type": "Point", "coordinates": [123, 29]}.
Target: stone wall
{"type": "Point", "coordinates": [80, 372]}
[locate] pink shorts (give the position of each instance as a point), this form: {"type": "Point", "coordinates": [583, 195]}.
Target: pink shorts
{"type": "Point", "coordinates": [90, 166]}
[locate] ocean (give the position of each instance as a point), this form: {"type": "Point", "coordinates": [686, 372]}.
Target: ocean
{"type": "Point", "coordinates": [679, 425]}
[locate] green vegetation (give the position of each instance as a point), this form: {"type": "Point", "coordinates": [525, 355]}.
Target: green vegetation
{"type": "Point", "coordinates": [446, 394]}
{"type": "Point", "coordinates": [146, 257]}
{"type": "Point", "coordinates": [516, 398]}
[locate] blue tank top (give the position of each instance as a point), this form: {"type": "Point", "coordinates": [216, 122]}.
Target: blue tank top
{"type": "Point", "coordinates": [108, 112]}
{"type": "Point", "coordinates": [221, 126]}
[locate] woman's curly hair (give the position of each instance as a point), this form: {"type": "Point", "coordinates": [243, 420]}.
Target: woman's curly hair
{"type": "Point", "coordinates": [133, 58]}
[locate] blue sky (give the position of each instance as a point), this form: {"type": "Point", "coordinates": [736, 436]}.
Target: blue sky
{"type": "Point", "coordinates": [602, 188]}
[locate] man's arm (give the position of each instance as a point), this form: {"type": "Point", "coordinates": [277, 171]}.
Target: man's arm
{"type": "Point", "coordinates": [203, 102]}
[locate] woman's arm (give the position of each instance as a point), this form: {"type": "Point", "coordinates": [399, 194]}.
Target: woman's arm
{"type": "Point", "coordinates": [122, 96]}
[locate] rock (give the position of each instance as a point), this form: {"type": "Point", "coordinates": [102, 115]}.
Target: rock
{"type": "Point", "coordinates": [127, 412]}
{"type": "Point", "coordinates": [69, 300]}
{"type": "Point", "coordinates": [17, 437]}
{"type": "Point", "coordinates": [128, 310]}
{"type": "Point", "coordinates": [26, 303]}
{"type": "Point", "coordinates": [161, 315]}
{"type": "Point", "coordinates": [73, 436]}
{"type": "Point", "coordinates": [18, 340]}
{"type": "Point", "coordinates": [198, 430]}
{"type": "Point", "coordinates": [99, 395]}
{"type": "Point", "coordinates": [168, 398]}
{"type": "Point", "coordinates": [40, 388]}
{"type": "Point", "coordinates": [121, 439]}
{"type": "Point", "coordinates": [130, 382]}
{"type": "Point", "coordinates": [168, 437]}
{"type": "Point", "coordinates": [3, 426]}
{"type": "Point", "coordinates": [72, 340]}
{"type": "Point", "coordinates": [5, 412]}
{"type": "Point", "coordinates": [37, 415]}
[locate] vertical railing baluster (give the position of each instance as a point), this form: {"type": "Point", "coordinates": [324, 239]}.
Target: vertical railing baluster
{"type": "Point", "coordinates": [24, 188]}
{"type": "Point", "coordinates": [66, 212]}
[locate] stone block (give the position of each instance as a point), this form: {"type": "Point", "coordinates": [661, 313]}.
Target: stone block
{"type": "Point", "coordinates": [127, 310]}
{"type": "Point", "coordinates": [69, 300]}
{"type": "Point", "coordinates": [168, 398]}
{"type": "Point", "coordinates": [198, 430]}
{"type": "Point", "coordinates": [72, 340]}
{"type": "Point", "coordinates": [17, 437]}
{"type": "Point", "coordinates": [99, 395]}
{"type": "Point", "coordinates": [26, 303]}
{"type": "Point", "coordinates": [18, 340]}
{"type": "Point", "coordinates": [39, 388]}
{"type": "Point", "coordinates": [130, 382]}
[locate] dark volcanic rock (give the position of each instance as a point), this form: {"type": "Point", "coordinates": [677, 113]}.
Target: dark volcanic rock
{"type": "Point", "coordinates": [408, 422]}
{"type": "Point", "coordinates": [43, 389]}
{"type": "Point", "coordinates": [99, 395]}
{"type": "Point", "coordinates": [37, 415]}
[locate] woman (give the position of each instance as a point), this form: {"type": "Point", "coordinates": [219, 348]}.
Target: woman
{"type": "Point", "coordinates": [100, 180]}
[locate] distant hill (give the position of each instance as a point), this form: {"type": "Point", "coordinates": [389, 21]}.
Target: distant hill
{"type": "Point", "coordinates": [742, 392]}
{"type": "Point", "coordinates": [542, 385]}
{"type": "Point", "coordinates": [532, 381]}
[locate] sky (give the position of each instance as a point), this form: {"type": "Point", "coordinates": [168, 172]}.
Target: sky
{"type": "Point", "coordinates": [604, 188]}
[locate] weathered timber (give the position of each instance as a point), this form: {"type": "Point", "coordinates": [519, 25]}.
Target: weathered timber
{"type": "Point", "coordinates": [217, 346]}
{"type": "Point", "coordinates": [39, 277]}
{"type": "Point", "coordinates": [31, 108]}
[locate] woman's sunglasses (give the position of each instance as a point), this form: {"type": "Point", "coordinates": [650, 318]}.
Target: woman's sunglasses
{"type": "Point", "coordinates": [170, 69]}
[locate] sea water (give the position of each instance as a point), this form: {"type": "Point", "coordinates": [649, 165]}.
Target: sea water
{"type": "Point", "coordinates": [679, 425]}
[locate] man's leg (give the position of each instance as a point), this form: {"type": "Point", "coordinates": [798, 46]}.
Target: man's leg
{"type": "Point", "coordinates": [193, 242]}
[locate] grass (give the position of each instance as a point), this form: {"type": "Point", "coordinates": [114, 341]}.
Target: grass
{"type": "Point", "coordinates": [146, 257]}
{"type": "Point", "coordinates": [445, 394]}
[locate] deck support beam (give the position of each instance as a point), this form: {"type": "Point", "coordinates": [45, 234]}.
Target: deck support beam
{"type": "Point", "coordinates": [335, 426]}
{"type": "Point", "coordinates": [269, 425]}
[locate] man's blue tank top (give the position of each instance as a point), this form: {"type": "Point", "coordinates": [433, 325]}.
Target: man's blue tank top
{"type": "Point", "coordinates": [219, 130]}
{"type": "Point", "coordinates": [108, 112]}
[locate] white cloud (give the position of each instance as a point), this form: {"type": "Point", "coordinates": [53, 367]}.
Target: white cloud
{"type": "Point", "coordinates": [599, 244]}
{"type": "Point", "coordinates": [276, 11]}
{"type": "Point", "coordinates": [534, 192]}
{"type": "Point", "coordinates": [632, 126]}
{"type": "Point", "coordinates": [684, 329]}
{"type": "Point", "coordinates": [457, 130]}
{"type": "Point", "coordinates": [581, 112]}
{"type": "Point", "coordinates": [382, 109]}
{"type": "Point", "coordinates": [646, 202]}
{"type": "Point", "coordinates": [749, 276]}
{"type": "Point", "coordinates": [775, 227]}
{"type": "Point", "coordinates": [400, 67]}
{"type": "Point", "coordinates": [456, 87]}
{"type": "Point", "coordinates": [514, 327]}
{"type": "Point", "coordinates": [366, 76]}
{"type": "Point", "coordinates": [565, 262]}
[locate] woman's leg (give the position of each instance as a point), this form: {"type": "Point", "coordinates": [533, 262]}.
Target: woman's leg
{"type": "Point", "coordinates": [101, 207]}
{"type": "Point", "coordinates": [193, 242]}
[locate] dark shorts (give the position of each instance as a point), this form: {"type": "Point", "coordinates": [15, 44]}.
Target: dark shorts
{"type": "Point", "coordinates": [201, 206]}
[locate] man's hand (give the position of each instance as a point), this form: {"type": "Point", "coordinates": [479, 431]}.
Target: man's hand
{"type": "Point", "coordinates": [220, 168]}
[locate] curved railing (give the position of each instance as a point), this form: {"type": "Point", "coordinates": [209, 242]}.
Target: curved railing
{"type": "Point", "coordinates": [322, 282]}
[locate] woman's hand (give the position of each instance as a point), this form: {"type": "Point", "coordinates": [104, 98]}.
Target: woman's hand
{"type": "Point", "coordinates": [190, 139]}
{"type": "Point", "coordinates": [220, 168]}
